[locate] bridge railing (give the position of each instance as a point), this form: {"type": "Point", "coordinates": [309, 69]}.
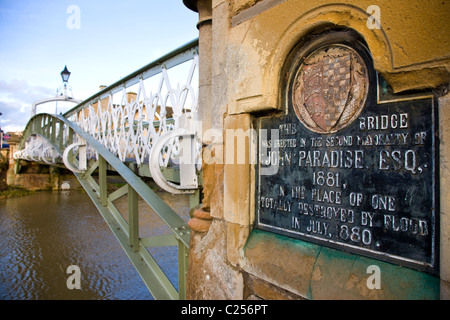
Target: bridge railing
{"type": "Point", "coordinates": [136, 122]}
{"type": "Point", "coordinates": [130, 116]}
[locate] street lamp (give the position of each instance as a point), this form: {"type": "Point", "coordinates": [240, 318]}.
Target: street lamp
{"type": "Point", "coordinates": [63, 93]}
{"type": "Point", "coordinates": [65, 74]}
{"type": "Point", "coordinates": [65, 90]}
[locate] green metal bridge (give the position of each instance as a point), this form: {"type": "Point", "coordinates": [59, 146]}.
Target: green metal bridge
{"type": "Point", "coordinates": [139, 127]}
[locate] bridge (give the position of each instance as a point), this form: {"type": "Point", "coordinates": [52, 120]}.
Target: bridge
{"type": "Point", "coordinates": [266, 55]}
{"type": "Point", "coordinates": [142, 126]}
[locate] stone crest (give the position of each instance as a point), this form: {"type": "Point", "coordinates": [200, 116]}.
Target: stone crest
{"type": "Point", "coordinates": [330, 88]}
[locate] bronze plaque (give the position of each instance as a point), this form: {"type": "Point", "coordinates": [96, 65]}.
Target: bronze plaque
{"type": "Point", "coordinates": [349, 165]}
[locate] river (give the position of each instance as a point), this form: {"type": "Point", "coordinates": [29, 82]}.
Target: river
{"type": "Point", "coordinates": [42, 234]}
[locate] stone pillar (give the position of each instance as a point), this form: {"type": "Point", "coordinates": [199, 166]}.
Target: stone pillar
{"type": "Point", "coordinates": [210, 275]}
{"type": "Point", "coordinates": [444, 116]}
{"type": "Point", "coordinates": [202, 218]}
{"type": "Point", "coordinates": [204, 26]}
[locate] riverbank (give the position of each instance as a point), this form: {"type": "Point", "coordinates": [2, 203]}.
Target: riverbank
{"type": "Point", "coordinates": [10, 192]}
{"type": "Point", "coordinates": [3, 185]}
{"type": "Point", "coordinates": [14, 192]}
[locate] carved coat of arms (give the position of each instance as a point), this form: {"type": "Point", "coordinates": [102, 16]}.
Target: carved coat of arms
{"type": "Point", "coordinates": [330, 89]}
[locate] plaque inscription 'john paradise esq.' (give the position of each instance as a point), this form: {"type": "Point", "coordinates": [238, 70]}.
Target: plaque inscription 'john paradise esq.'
{"type": "Point", "coordinates": [350, 170]}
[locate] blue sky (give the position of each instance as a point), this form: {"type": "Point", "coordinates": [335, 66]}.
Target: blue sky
{"type": "Point", "coordinates": [114, 38]}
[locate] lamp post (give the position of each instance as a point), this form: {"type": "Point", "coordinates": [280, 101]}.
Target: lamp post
{"type": "Point", "coordinates": [63, 93]}
{"type": "Point", "coordinates": [65, 74]}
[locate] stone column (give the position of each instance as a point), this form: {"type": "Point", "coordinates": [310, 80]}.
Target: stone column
{"type": "Point", "coordinates": [202, 218]}
{"type": "Point", "coordinates": [444, 117]}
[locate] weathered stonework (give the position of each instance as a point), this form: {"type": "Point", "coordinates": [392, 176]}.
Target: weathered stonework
{"type": "Point", "coordinates": [210, 275]}
{"type": "Point", "coordinates": [247, 46]}
{"type": "Point", "coordinates": [444, 115]}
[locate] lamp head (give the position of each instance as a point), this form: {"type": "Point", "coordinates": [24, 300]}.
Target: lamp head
{"type": "Point", "coordinates": [65, 74]}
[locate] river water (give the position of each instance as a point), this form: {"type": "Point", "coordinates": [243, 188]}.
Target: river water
{"type": "Point", "coordinates": [42, 234]}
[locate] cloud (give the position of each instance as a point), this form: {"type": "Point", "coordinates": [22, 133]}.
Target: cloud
{"type": "Point", "coordinates": [20, 90]}
{"type": "Point", "coordinates": [16, 98]}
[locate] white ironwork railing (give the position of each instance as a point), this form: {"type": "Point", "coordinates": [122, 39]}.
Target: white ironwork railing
{"type": "Point", "coordinates": [38, 149]}
{"type": "Point", "coordinates": [132, 115]}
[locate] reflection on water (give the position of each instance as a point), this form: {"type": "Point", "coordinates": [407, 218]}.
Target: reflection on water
{"type": "Point", "coordinates": [41, 235]}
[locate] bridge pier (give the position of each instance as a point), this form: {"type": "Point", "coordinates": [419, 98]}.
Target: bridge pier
{"type": "Point", "coordinates": [33, 176]}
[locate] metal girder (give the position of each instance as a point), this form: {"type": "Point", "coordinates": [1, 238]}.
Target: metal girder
{"type": "Point", "coordinates": [154, 278]}
{"type": "Point", "coordinates": [166, 213]}
{"type": "Point", "coordinates": [127, 233]}
{"type": "Point", "coordinates": [60, 98]}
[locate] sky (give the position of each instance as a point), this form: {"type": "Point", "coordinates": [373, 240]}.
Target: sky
{"type": "Point", "coordinates": [100, 41]}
